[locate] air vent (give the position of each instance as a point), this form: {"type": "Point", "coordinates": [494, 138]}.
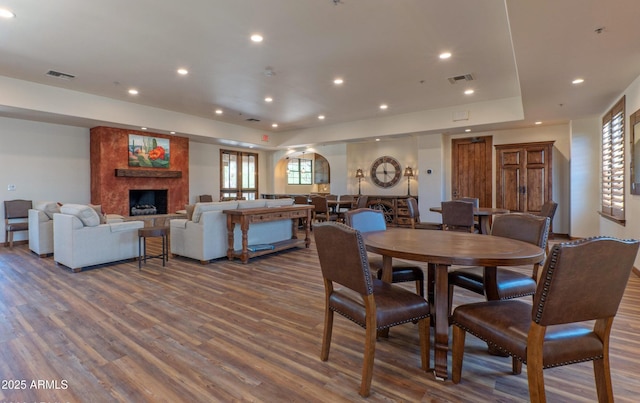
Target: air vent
{"type": "Point", "coordinates": [57, 74]}
{"type": "Point", "coordinates": [253, 120]}
{"type": "Point", "coordinates": [464, 77]}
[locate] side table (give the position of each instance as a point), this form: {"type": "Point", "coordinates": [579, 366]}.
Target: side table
{"type": "Point", "coordinates": [152, 232]}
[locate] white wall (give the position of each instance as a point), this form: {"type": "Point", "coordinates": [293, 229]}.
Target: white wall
{"type": "Point", "coordinates": [45, 162]}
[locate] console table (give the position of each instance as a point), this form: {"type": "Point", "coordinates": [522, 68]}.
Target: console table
{"type": "Point", "coordinates": [246, 216]}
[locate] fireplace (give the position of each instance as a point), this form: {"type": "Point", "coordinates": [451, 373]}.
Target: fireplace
{"type": "Point", "coordinates": [147, 201]}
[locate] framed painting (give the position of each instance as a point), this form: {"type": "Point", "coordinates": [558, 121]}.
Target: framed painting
{"type": "Point", "coordinates": [146, 151]}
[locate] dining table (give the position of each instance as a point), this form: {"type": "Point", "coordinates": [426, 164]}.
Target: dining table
{"type": "Point", "coordinates": [337, 206]}
{"type": "Point", "coordinates": [483, 214]}
{"type": "Point", "coordinates": [441, 249]}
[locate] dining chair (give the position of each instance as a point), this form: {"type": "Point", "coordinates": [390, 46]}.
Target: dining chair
{"type": "Point", "coordinates": [366, 220]}
{"type": "Point", "coordinates": [570, 321]}
{"type": "Point", "coordinates": [362, 202]}
{"type": "Point", "coordinates": [414, 216]}
{"type": "Point", "coordinates": [321, 211]}
{"type": "Point", "coordinates": [16, 216]}
{"type": "Point", "coordinates": [476, 204]}
{"type": "Point", "coordinates": [375, 306]}
{"type": "Point", "coordinates": [457, 216]}
{"type": "Point", "coordinates": [205, 198]}
{"type": "Point", "coordinates": [549, 210]}
{"type": "Point", "coordinates": [499, 282]}
{"type": "Point", "coordinates": [301, 199]}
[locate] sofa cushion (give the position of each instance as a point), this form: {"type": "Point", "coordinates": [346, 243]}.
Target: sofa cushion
{"type": "Point", "coordinates": [252, 203]}
{"type": "Point", "coordinates": [212, 206]}
{"type": "Point", "coordinates": [86, 214]}
{"type": "Point", "coordinates": [48, 207]}
{"type": "Point", "coordinates": [279, 202]}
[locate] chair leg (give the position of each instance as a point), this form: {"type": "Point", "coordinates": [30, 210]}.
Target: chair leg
{"type": "Point", "coordinates": [420, 287]}
{"type": "Point", "coordinates": [367, 365]}
{"type": "Point", "coordinates": [603, 379]}
{"type": "Point", "coordinates": [534, 363]}
{"type": "Point", "coordinates": [516, 366]}
{"type": "Point", "coordinates": [424, 327]}
{"type": "Point", "coordinates": [457, 354]}
{"type": "Point", "coordinates": [326, 338]}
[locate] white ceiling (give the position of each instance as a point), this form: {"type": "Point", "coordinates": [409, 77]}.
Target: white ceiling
{"type": "Point", "coordinates": [385, 50]}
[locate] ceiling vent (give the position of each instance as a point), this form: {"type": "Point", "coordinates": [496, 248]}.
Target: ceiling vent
{"type": "Point", "coordinates": [253, 120]}
{"type": "Point", "coordinates": [57, 74]}
{"type": "Point", "coordinates": [464, 77]}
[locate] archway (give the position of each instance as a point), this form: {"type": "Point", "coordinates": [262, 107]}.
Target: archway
{"type": "Point", "coordinates": [320, 176]}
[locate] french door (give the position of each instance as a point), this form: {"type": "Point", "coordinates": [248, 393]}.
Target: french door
{"type": "Point", "coordinates": [238, 175]}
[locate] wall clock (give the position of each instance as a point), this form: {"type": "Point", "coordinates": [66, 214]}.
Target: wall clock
{"type": "Point", "coordinates": [385, 172]}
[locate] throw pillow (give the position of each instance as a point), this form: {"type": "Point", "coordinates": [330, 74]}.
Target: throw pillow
{"type": "Point", "coordinates": [48, 207]}
{"type": "Point", "coordinates": [98, 209]}
{"type": "Point", "coordinates": [189, 208]}
{"type": "Point", "coordinates": [86, 214]}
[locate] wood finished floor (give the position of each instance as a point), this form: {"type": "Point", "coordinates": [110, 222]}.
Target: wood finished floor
{"type": "Point", "coordinates": [232, 332]}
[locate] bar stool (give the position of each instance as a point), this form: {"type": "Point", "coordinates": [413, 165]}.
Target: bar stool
{"type": "Point", "coordinates": [152, 232]}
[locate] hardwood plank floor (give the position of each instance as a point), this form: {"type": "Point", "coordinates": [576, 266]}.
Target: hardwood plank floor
{"type": "Point", "coordinates": [233, 332]}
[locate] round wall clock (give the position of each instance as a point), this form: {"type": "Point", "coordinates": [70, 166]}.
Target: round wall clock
{"type": "Point", "coordinates": [385, 172]}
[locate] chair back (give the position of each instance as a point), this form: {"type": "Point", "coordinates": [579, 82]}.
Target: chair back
{"type": "Point", "coordinates": [583, 280]}
{"type": "Point", "coordinates": [522, 227]}
{"type": "Point", "coordinates": [549, 209]}
{"type": "Point", "coordinates": [343, 257]}
{"type": "Point", "coordinates": [206, 198]}
{"type": "Point", "coordinates": [320, 204]}
{"type": "Point", "coordinates": [473, 200]}
{"type": "Point", "coordinates": [362, 201]}
{"type": "Point", "coordinates": [332, 197]}
{"type": "Point", "coordinates": [301, 200]}
{"type": "Point", "coordinates": [457, 215]}
{"type": "Point", "coordinates": [14, 209]}
{"type": "Point", "coordinates": [365, 220]}
{"type": "Point", "coordinates": [414, 212]}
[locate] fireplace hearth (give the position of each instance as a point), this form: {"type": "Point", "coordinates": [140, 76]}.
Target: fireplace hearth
{"type": "Point", "coordinates": [147, 201]}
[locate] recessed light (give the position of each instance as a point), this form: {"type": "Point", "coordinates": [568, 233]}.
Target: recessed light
{"type": "Point", "coordinates": [218, 111]}
{"type": "Point", "coordinates": [4, 13]}
{"type": "Point", "coordinates": [183, 72]}
{"type": "Point", "coordinates": [578, 81]}
{"type": "Point", "coordinates": [468, 92]}
{"type": "Point", "coordinates": [321, 117]}
{"type": "Point", "coordinates": [256, 38]}
{"type": "Point", "coordinates": [384, 106]}
{"type": "Point", "coordinates": [467, 130]}
{"type": "Point", "coordinates": [268, 99]}
{"type": "Point", "coordinates": [445, 55]}
{"type": "Point", "coordinates": [538, 123]}
{"type": "Point", "coordinates": [133, 91]}
{"type": "Point", "coordinates": [172, 132]}
{"type": "Point", "coordinates": [338, 81]}
{"type": "Point", "coordinates": [274, 125]}
{"type": "Point", "coordinates": [377, 139]}
{"type": "Point", "coordinates": [143, 128]}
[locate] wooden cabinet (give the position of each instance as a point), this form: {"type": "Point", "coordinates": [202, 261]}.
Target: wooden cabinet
{"type": "Point", "coordinates": [395, 208]}
{"type": "Point", "coordinates": [524, 177]}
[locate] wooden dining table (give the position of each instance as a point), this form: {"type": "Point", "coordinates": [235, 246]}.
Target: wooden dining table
{"type": "Point", "coordinates": [441, 249]}
{"type": "Point", "coordinates": [483, 214]}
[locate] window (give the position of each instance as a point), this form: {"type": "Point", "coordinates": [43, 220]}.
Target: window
{"type": "Point", "coordinates": [299, 172]}
{"type": "Point", "coordinates": [613, 163]}
{"type": "Point", "coordinates": [238, 175]}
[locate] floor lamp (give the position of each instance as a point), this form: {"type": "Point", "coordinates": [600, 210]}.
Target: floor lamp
{"type": "Point", "coordinates": [359, 175]}
{"type": "Point", "coordinates": [408, 172]}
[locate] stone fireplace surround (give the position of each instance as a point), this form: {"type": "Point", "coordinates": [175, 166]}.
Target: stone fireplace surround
{"type": "Point", "coordinates": [109, 152]}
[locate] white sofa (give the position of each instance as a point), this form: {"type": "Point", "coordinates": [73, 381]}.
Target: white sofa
{"type": "Point", "coordinates": [41, 227]}
{"type": "Point", "coordinates": [203, 236]}
{"type": "Point", "coordinates": [80, 240]}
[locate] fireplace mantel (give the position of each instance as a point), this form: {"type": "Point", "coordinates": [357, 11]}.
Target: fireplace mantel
{"type": "Point", "coordinates": [147, 173]}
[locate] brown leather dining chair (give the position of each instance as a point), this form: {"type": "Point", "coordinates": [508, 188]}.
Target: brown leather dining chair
{"type": "Point", "coordinates": [375, 306]}
{"type": "Point", "coordinates": [499, 282]}
{"type": "Point", "coordinates": [205, 198]}
{"type": "Point", "coordinates": [365, 220]}
{"type": "Point", "coordinates": [321, 211]}
{"type": "Point", "coordinates": [414, 216]}
{"type": "Point", "coordinates": [457, 216]}
{"type": "Point", "coordinates": [570, 321]}
{"type": "Point", "coordinates": [16, 214]}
